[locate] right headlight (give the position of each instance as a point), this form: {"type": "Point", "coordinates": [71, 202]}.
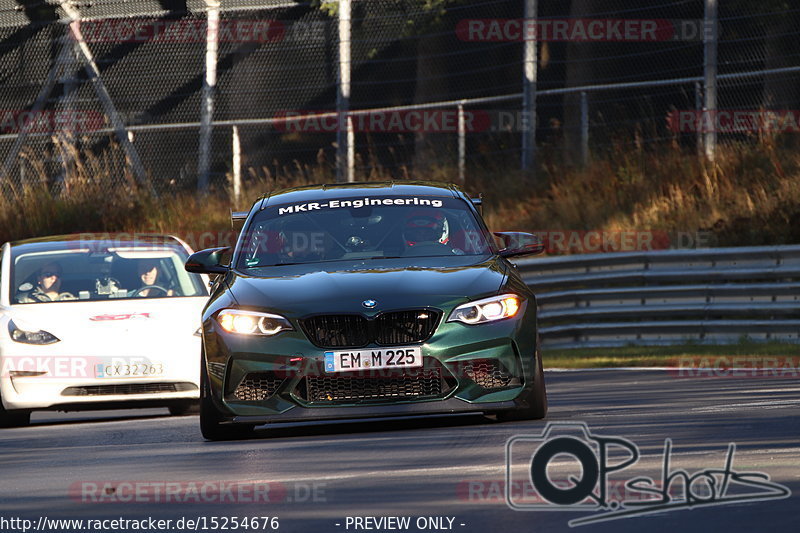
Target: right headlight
{"type": "Point", "coordinates": [487, 310]}
{"type": "Point", "coordinates": [30, 337]}
{"type": "Point", "coordinates": [252, 322]}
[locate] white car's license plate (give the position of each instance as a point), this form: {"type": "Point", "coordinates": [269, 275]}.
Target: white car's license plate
{"type": "Point", "coordinates": [373, 358]}
{"type": "Point", "coordinates": [111, 370]}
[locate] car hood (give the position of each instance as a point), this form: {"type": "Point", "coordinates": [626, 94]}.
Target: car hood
{"type": "Point", "coordinates": [337, 287]}
{"type": "Point", "coordinates": [112, 321]}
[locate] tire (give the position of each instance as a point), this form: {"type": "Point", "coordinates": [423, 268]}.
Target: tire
{"type": "Point", "coordinates": [537, 400]}
{"type": "Point", "coordinates": [211, 421]}
{"type": "Point", "coordinates": [184, 407]}
{"type": "Point", "coordinates": [14, 418]}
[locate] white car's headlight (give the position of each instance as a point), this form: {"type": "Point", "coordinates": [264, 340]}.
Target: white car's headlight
{"type": "Point", "coordinates": [30, 337]}
{"type": "Point", "coordinates": [252, 322]}
{"type": "Point", "coordinates": [487, 310]}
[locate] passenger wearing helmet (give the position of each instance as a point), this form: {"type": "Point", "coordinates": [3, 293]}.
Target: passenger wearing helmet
{"type": "Point", "coordinates": [426, 232]}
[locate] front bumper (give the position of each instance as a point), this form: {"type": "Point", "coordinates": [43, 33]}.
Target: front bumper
{"type": "Point", "coordinates": [443, 407]}
{"type": "Point", "coordinates": [289, 363]}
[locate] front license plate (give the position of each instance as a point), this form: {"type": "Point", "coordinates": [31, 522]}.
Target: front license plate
{"type": "Point", "coordinates": [371, 358]}
{"type": "Point", "coordinates": [113, 370]}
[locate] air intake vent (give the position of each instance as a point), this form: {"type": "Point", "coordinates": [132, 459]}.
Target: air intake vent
{"type": "Point", "coordinates": [128, 388]}
{"type": "Point", "coordinates": [256, 387]}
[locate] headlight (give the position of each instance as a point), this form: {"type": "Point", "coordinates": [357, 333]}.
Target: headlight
{"type": "Point", "coordinates": [30, 337]}
{"type": "Point", "coordinates": [252, 322]}
{"type": "Point", "coordinates": [487, 310]}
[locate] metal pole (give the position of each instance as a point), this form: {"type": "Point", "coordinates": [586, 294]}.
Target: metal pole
{"type": "Point", "coordinates": [44, 92]}
{"type": "Point", "coordinates": [710, 40]}
{"type": "Point", "coordinates": [530, 73]}
{"type": "Point", "coordinates": [105, 98]}
{"type": "Point", "coordinates": [236, 148]}
{"type": "Point", "coordinates": [207, 101]}
{"type": "Point", "coordinates": [345, 136]}
{"type": "Point", "coordinates": [584, 129]}
{"type": "Point", "coordinates": [462, 144]}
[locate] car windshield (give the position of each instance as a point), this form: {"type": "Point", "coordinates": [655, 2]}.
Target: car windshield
{"type": "Point", "coordinates": [362, 228]}
{"type": "Point", "coordinates": [86, 272]}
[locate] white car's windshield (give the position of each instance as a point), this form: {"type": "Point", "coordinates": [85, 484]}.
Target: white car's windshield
{"type": "Point", "coordinates": [60, 274]}
{"type": "Point", "coordinates": [362, 228]}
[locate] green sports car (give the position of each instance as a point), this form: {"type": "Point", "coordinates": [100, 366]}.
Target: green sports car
{"type": "Point", "coordinates": [361, 300]}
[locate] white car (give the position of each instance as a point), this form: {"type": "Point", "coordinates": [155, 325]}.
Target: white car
{"type": "Point", "coordinates": [90, 323]}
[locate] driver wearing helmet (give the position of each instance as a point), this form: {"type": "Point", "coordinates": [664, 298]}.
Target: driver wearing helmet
{"type": "Point", "coordinates": [428, 229]}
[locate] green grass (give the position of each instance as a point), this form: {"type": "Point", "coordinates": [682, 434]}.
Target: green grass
{"type": "Point", "coordinates": [660, 356]}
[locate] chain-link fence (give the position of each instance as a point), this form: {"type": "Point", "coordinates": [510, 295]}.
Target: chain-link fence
{"type": "Point", "coordinates": [122, 89]}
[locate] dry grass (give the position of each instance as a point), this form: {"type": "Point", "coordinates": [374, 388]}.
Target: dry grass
{"type": "Point", "coordinates": [749, 196]}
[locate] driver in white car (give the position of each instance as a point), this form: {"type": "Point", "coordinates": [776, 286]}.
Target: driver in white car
{"type": "Point", "coordinates": [148, 273]}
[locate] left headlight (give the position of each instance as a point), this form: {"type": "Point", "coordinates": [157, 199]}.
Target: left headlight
{"type": "Point", "coordinates": [252, 322]}
{"type": "Point", "coordinates": [30, 337]}
{"type": "Point", "coordinates": [487, 310]}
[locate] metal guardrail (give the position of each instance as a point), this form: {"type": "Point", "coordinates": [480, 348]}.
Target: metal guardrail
{"type": "Point", "coordinates": [709, 296]}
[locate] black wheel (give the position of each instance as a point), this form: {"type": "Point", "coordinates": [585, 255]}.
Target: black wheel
{"type": "Point", "coordinates": [537, 400]}
{"type": "Point", "coordinates": [13, 418]}
{"type": "Point", "coordinates": [211, 422]}
{"type": "Point", "coordinates": [184, 407]}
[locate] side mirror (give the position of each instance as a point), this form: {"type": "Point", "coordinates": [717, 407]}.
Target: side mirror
{"type": "Point", "coordinates": [517, 243]}
{"type": "Point", "coordinates": [207, 261]}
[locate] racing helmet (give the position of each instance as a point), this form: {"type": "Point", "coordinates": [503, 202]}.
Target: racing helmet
{"type": "Point", "coordinates": [425, 226]}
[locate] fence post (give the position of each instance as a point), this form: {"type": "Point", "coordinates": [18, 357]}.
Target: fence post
{"type": "Point", "coordinates": [345, 137]}
{"type": "Point", "coordinates": [698, 107]}
{"type": "Point", "coordinates": [584, 129]}
{"type": "Point", "coordinates": [207, 98]}
{"type": "Point", "coordinates": [236, 149]}
{"type": "Point", "coordinates": [710, 41]}
{"type": "Point", "coordinates": [462, 144]}
{"type": "Point", "coordinates": [530, 72]}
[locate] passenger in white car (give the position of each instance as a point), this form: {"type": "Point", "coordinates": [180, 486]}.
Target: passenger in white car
{"type": "Point", "coordinates": [48, 285]}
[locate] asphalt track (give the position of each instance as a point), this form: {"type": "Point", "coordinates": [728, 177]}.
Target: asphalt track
{"type": "Point", "coordinates": [315, 477]}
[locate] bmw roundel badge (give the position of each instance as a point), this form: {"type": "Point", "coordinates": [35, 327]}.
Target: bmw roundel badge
{"type": "Point", "coordinates": [369, 304]}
